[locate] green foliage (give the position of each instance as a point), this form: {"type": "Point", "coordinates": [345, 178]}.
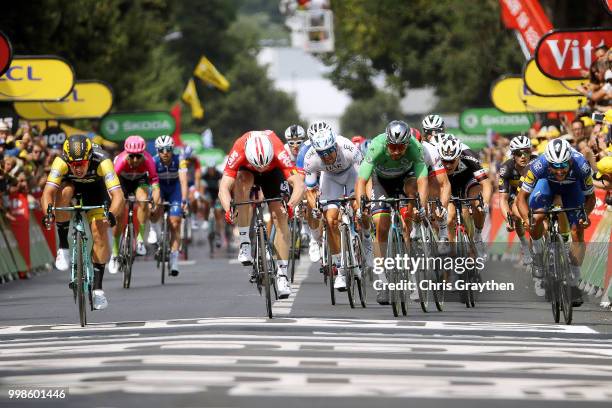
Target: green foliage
{"type": "Point", "coordinates": [458, 47]}
{"type": "Point", "coordinates": [369, 117]}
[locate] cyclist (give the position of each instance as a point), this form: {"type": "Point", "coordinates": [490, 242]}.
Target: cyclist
{"type": "Point", "coordinates": [467, 179]}
{"type": "Point", "coordinates": [84, 168]}
{"type": "Point", "coordinates": [136, 170]}
{"type": "Point", "coordinates": [433, 126]}
{"type": "Point", "coordinates": [210, 180]}
{"type": "Point", "coordinates": [194, 182]}
{"type": "Point", "coordinates": [395, 163]}
{"type": "Point", "coordinates": [259, 158]}
{"type": "Point", "coordinates": [295, 137]}
{"type": "Point", "coordinates": [172, 172]}
{"type": "Point", "coordinates": [331, 165]}
{"type": "Point", "coordinates": [560, 172]}
{"type": "Point", "coordinates": [510, 174]}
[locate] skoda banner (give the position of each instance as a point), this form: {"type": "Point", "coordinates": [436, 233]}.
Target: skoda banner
{"type": "Point", "coordinates": [6, 53]}
{"type": "Point", "coordinates": [118, 126]}
{"type": "Point", "coordinates": [192, 139]}
{"type": "Point", "coordinates": [478, 121]}
{"type": "Point", "coordinates": [210, 157]}
{"type": "Point", "coordinates": [88, 100]}
{"type": "Point", "coordinates": [43, 78]}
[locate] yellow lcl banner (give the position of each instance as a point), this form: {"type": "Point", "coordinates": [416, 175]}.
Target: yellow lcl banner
{"type": "Point", "coordinates": [510, 95]}
{"type": "Point", "coordinates": [541, 85]}
{"type": "Point", "coordinates": [38, 78]}
{"type": "Point", "coordinates": [88, 99]}
{"type": "Point", "coordinates": [190, 97]}
{"type": "Point", "coordinates": [207, 72]}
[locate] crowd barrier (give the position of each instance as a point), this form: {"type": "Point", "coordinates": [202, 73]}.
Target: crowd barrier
{"type": "Point", "coordinates": [25, 247]}
{"type": "Point", "coordinates": [596, 270]}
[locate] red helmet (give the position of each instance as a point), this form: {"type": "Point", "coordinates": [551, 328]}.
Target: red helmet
{"type": "Point", "coordinates": [357, 140]}
{"type": "Point", "coordinates": [134, 144]}
{"type": "Point", "coordinates": [416, 133]}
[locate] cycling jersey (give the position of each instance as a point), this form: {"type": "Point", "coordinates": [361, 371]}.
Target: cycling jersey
{"type": "Point", "coordinates": [378, 160]}
{"type": "Point", "coordinates": [237, 157]}
{"type": "Point", "coordinates": [193, 165]}
{"type": "Point", "coordinates": [510, 177]}
{"type": "Point", "coordinates": [580, 173]}
{"type": "Point", "coordinates": [299, 161]}
{"type": "Point", "coordinates": [144, 171]}
{"type": "Point", "coordinates": [432, 159]}
{"type": "Point", "coordinates": [169, 182]}
{"type": "Point", "coordinates": [347, 157]}
{"type": "Point", "coordinates": [468, 173]}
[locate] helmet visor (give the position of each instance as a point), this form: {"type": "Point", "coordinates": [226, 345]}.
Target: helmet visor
{"type": "Point", "coordinates": [557, 166]}
{"type": "Point", "coordinates": [522, 152]}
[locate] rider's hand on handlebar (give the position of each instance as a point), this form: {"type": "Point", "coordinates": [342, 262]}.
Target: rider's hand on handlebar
{"type": "Point", "coordinates": [584, 222]}
{"type": "Point", "coordinates": [112, 220]}
{"type": "Point", "coordinates": [509, 226]}
{"type": "Point", "coordinates": [229, 217]}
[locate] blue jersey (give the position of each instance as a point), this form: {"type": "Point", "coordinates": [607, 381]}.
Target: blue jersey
{"type": "Point", "coordinates": [169, 174]}
{"type": "Point", "coordinates": [299, 162]}
{"type": "Point", "coordinates": [580, 173]}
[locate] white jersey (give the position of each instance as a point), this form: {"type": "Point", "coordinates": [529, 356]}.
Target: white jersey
{"type": "Point", "coordinates": [432, 159]}
{"type": "Point", "coordinates": [348, 157]}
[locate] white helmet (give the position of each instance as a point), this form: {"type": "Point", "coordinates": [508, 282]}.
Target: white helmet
{"type": "Point", "coordinates": [164, 142]}
{"type": "Point", "coordinates": [433, 122]}
{"type": "Point", "coordinates": [558, 151]}
{"type": "Point", "coordinates": [398, 132]}
{"type": "Point", "coordinates": [519, 143]}
{"type": "Point", "coordinates": [323, 140]}
{"type": "Point", "coordinates": [449, 148]}
{"type": "Point", "coordinates": [258, 149]}
{"type": "Point", "coordinates": [295, 132]}
{"type": "Point", "coordinates": [316, 127]}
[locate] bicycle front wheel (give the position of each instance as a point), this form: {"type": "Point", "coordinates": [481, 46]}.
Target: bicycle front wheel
{"type": "Point", "coordinates": [80, 278]}
{"type": "Point", "coordinates": [294, 248]}
{"type": "Point", "coordinates": [347, 264]}
{"type": "Point", "coordinates": [361, 264]}
{"type": "Point", "coordinates": [262, 253]}
{"type": "Point", "coordinates": [564, 282]}
{"type": "Point", "coordinates": [164, 251]}
{"type": "Point", "coordinates": [396, 297]}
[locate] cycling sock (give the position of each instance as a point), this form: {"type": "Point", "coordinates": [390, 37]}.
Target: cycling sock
{"type": "Point", "coordinates": [282, 267]}
{"type": "Point", "coordinates": [116, 245]}
{"type": "Point", "coordinates": [62, 233]}
{"type": "Point", "coordinates": [98, 275]}
{"type": "Point", "coordinates": [538, 245]}
{"type": "Point", "coordinates": [477, 234]}
{"type": "Point", "coordinates": [244, 235]}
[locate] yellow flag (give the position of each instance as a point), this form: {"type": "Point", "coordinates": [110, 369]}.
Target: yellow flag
{"type": "Point", "coordinates": [190, 97]}
{"type": "Point", "coordinates": [207, 72]}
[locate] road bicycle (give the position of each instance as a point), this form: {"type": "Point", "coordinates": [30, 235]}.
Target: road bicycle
{"type": "Point", "coordinates": [162, 254]}
{"type": "Point", "coordinates": [127, 243]}
{"type": "Point", "coordinates": [81, 266]}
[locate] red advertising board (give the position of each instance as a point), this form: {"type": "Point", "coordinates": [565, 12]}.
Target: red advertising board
{"type": "Point", "coordinates": [607, 4]}
{"type": "Point", "coordinates": [562, 54]}
{"type": "Point", "coordinates": [6, 53]}
{"type": "Point", "coordinates": [528, 18]}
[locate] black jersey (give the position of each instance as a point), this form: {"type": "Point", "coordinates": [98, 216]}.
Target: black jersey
{"type": "Point", "coordinates": [510, 176]}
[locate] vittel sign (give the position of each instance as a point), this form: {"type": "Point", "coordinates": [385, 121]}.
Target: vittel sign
{"type": "Point", "coordinates": [562, 54]}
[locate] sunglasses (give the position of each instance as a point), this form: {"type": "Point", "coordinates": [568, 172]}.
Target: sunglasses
{"type": "Point", "coordinates": [396, 147]}
{"type": "Point", "coordinates": [135, 156]}
{"type": "Point", "coordinates": [79, 163]}
{"type": "Point", "coordinates": [521, 153]}
{"type": "Point", "coordinates": [328, 152]}
{"type": "Point", "coordinates": [559, 166]}
{"type": "Point", "coordinates": [295, 143]}
{"type": "Point", "coordinates": [165, 150]}
{"type": "Point", "coordinates": [448, 161]}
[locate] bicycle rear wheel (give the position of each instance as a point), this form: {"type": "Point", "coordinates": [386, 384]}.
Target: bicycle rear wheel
{"type": "Point", "coordinates": [80, 277]}
{"type": "Point", "coordinates": [186, 236]}
{"type": "Point", "coordinates": [565, 287]}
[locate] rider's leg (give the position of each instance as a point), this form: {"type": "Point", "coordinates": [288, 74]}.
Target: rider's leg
{"type": "Point", "coordinates": [175, 236]}
{"type": "Point", "coordinates": [101, 251]}
{"type": "Point", "coordinates": [144, 212]}
{"type": "Point", "coordinates": [520, 232]}
{"type": "Point", "coordinates": [540, 198]}
{"type": "Point", "coordinates": [282, 236]}
{"type": "Point", "coordinates": [241, 190]}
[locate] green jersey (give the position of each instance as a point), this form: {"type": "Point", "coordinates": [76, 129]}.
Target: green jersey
{"type": "Point", "coordinates": [378, 159]}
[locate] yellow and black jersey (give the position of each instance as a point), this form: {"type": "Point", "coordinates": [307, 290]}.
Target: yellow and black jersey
{"type": "Point", "coordinates": [100, 169]}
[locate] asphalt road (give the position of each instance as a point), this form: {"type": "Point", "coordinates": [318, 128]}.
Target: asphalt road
{"type": "Point", "coordinates": [201, 340]}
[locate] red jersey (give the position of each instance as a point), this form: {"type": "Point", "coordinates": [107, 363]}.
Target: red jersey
{"type": "Point", "coordinates": [237, 157]}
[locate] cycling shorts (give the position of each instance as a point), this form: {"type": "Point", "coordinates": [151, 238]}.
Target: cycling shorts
{"type": "Point", "coordinates": [334, 186]}
{"type": "Point", "coordinates": [93, 194]}
{"type": "Point", "coordinates": [388, 188]}
{"type": "Point", "coordinates": [544, 192]}
{"type": "Point", "coordinates": [172, 194]}
{"type": "Point", "coordinates": [461, 189]}
{"type": "Point", "coordinates": [130, 186]}
{"type": "Point", "coordinates": [270, 182]}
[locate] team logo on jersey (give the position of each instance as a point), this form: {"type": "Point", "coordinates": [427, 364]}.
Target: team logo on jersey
{"type": "Point", "coordinates": [529, 177]}
{"type": "Point", "coordinates": [537, 166]}
{"type": "Point", "coordinates": [232, 158]}
{"type": "Point", "coordinates": [54, 173]}
{"type": "Point", "coordinates": [285, 159]}
{"type": "Point", "coordinates": [586, 168]}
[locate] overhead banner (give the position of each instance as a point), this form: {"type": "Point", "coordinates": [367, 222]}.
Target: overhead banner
{"type": "Point", "coordinates": [6, 53]}
{"type": "Point", "coordinates": [207, 72]}
{"type": "Point", "coordinates": [40, 78]}
{"type": "Point", "coordinates": [118, 126]}
{"type": "Point", "coordinates": [509, 94]}
{"type": "Point", "coordinates": [562, 54]}
{"type": "Point", "coordinates": [528, 18]}
{"type": "Point", "coordinates": [211, 157]}
{"type": "Point", "coordinates": [478, 121]}
{"type": "Point", "coordinates": [607, 5]}
{"type": "Point", "coordinates": [88, 100]}
{"type": "Point", "coordinates": [541, 85]}
{"type": "Point", "coordinates": [192, 139]}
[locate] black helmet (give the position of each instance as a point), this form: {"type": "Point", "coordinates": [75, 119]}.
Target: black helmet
{"type": "Point", "coordinates": [76, 148]}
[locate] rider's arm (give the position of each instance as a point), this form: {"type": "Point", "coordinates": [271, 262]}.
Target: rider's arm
{"type": "Point", "coordinates": [360, 190]}
{"type": "Point", "coordinates": [311, 197]}
{"type": "Point", "coordinates": [445, 188]}
{"type": "Point", "coordinates": [522, 205]}
{"type": "Point", "coordinates": [183, 179]}
{"type": "Point", "coordinates": [197, 174]}
{"type": "Point", "coordinates": [487, 190]}
{"type": "Point", "coordinates": [113, 186]}
{"type": "Point", "coordinates": [225, 191]}
{"type": "Point", "coordinates": [298, 189]}
{"type": "Point", "coordinates": [48, 196]}
{"type": "Point", "coordinates": [503, 204]}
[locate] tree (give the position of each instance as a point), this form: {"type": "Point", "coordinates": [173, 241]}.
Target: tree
{"type": "Point", "coordinates": [369, 117]}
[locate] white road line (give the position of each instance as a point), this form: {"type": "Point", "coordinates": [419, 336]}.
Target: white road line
{"type": "Point", "coordinates": [283, 307]}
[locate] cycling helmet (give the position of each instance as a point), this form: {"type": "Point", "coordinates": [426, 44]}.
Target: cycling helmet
{"type": "Point", "coordinates": [558, 151]}
{"type": "Point", "coordinates": [134, 144]}
{"type": "Point", "coordinates": [258, 150]}
{"type": "Point", "coordinates": [433, 122]}
{"type": "Point", "coordinates": [295, 132]}
{"type": "Point", "coordinates": [164, 142]}
{"type": "Point", "coordinates": [77, 148]}
{"type": "Point", "coordinates": [357, 140]}
{"type": "Point", "coordinates": [520, 143]}
{"type": "Point", "coordinates": [449, 148]}
{"type": "Point", "coordinates": [398, 132]}
{"type": "Point", "coordinates": [187, 152]}
{"type": "Point", "coordinates": [323, 140]}
{"type": "Point", "coordinates": [316, 127]}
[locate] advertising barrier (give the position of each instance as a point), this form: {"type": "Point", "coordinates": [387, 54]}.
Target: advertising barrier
{"type": "Point", "coordinates": [39, 78]}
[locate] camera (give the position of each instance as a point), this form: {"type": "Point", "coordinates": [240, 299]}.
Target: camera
{"type": "Point", "coordinates": [598, 117]}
